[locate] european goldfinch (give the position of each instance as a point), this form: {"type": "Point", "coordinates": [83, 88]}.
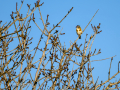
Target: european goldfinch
{"type": "Point", "coordinates": [78, 31]}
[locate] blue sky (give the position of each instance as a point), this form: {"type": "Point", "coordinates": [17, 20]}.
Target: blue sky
{"type": "Point", "coordinates": [83, 10]}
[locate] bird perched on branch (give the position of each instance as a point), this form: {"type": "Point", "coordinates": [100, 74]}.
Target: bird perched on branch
{"type": "Point", "coordinates": [78, 31]}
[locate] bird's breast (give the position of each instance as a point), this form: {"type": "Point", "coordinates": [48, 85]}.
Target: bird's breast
{"type": "Point", "coordinates": [79, 31]}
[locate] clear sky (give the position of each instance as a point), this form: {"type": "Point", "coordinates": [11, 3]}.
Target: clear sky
{"type": "Point", "coordinates": [83, 10]}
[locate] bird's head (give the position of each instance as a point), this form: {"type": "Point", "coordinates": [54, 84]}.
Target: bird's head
{"type": "Point", "coordinates": [78, 26]}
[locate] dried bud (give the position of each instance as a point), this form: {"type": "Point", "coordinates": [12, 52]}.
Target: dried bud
{"type": "Point", "coordinates": [98, 27]}
{"type": "Point", "coordinates": [62, 33]}
{"type": "Point", "coordinates": [41, 4]}
{"type": "Point", "coordinates": [16, 6]}
{"type": "Point", "coordinates": [22, 2]}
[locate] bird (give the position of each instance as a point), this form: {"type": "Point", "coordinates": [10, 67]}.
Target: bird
{"type": "Point", "coordinates": [78, 31]}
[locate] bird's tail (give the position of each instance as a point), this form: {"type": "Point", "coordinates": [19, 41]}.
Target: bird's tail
{"type": "Point", "coordinates": [79, 37]}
